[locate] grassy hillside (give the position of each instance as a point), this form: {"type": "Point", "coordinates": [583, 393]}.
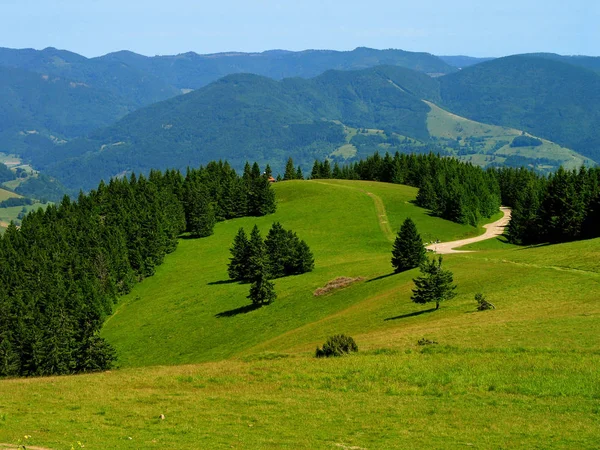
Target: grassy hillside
{"type": "Point", "coordinates": [485, 144]}
{"type": "Point", "coordinates": [521, 376]}
{"type": "Point", "coordinates": [551, 99]}
{"type": "Point", "coordinates": [198, 288]}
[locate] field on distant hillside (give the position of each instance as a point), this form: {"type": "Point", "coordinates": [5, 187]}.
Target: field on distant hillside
{"type": "Point", "coordinates": [487, 144]}
{"type": "Point", "coordinates": [521, 376]}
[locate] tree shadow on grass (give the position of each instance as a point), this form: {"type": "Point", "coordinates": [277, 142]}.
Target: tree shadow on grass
{"type": "Point", "coordinates": [213, 283]}
{"type": "Point", "coordinates": [241, 310]}
{"type": "Point", "coordinates": [412, 314]}
{"type": "Point", "coordinates": [381, 277]}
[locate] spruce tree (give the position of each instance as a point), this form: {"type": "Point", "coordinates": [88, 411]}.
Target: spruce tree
{"type": "Point", "coordinates": [238, 263]}
{"type": "Point", "coordinates": [408, 251]}
{"type": "Point", "coordinates": [256, 255]}
{"type": "Point", "coordinates": [262, 291]}
{"type": "Point", "coordinates": [299, 175]}
{"type": "Point", "coordinates": [290, 173]}
{"type": "Point", "coordinates": [434, 285]}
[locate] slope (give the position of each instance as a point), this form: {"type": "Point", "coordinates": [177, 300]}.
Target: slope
{"type": "Point", "coordinates": [485, 145]}
{"type": "Point", "coordinates": [522, 374]}
{"type": "Point", "coordinates": [242, 117]}
{"type": "Point", "coordinates": [551, 99]}
{"type": "Point", "coordinates": [206, 311]}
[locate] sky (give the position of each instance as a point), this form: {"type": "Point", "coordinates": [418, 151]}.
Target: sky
{"type": "Point", "coordinates": [442, 27]}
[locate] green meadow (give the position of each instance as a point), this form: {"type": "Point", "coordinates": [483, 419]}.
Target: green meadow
{"type": "Point", "coordinates": [495, 141]}
{"type": "Point", "coordinates": [226, 376]}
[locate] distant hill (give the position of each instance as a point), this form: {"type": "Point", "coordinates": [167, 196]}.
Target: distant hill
{"type": "Point", "coordinates": [192, 71]}
{"type": "Point", "coordinates": [134, 87]}
{"type": "Point", "coordinates": [339, 115]}
{"type": "Point", "coordinates": [551, 99]}
{"type": "Point", "coordinates": [589, 62]}
{"type": "Point", "coordinates": [461, 61]}
{"type": "Point", "coordinates": [249, 117]}
{"type": "Point", "coordinates": [40, 111]}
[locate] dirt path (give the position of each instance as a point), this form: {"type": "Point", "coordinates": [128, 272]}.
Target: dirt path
{"type": "Point", "coordinates": [491, 231]}
{"type": "Point", "coordinates": [382, 217]}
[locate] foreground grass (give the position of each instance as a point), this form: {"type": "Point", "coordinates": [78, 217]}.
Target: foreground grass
{"type": "Point", "coordinates": [433, 397]}
{"type": "Point", "coordinates": [521, 376]}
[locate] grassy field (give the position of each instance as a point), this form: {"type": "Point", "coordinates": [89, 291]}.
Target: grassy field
{"type": "Point", "coordinates": [495, 141]}
{"type": "Point", "coordinates": [521, 376]}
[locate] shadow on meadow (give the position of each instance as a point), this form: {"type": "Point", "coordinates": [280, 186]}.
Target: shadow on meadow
{"type": "Point", "coordinates": [234, 312]}
{"type": "Point", "coordinates": [412, 314]}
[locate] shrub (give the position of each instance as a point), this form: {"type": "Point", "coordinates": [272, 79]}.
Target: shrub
{"type": "Point", "coordinates": [482, 303]}
{"type": "Point", "coordinates": [337, 345]}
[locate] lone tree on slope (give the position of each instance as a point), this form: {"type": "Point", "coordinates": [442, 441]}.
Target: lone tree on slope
{"type": "Point", "coordinates": [435, 285]}
{"type": "Point", "coordinates": [408, 251]}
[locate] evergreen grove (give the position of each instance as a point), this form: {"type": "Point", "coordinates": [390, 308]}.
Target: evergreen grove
{"type": "Point", "coordinates": [63, 270]}
{"type": "Point", "coordinates": [281, 254]}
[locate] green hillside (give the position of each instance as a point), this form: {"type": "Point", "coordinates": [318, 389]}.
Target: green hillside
{"type": "Point", "coordinates": [198, 290]}
{"type": "Point", "coordinates": [245, 117]}
{"type": "Point", "coordinates": [514, 377]}
{"type": "Point", "coordinates": [551, 99]}
{"type": "Point", "coordinates": [484, 144]}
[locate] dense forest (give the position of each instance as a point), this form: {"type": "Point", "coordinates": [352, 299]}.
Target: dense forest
{"type": "Point", "coordinates": [62, 271]}
{"type": "Point", "coordinates": [564, 206]}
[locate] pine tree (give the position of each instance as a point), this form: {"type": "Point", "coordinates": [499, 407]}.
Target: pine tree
{"type": "Point", "coordinates": [238, 263]}
{"type": "Point", "coordinates": [316, 170]}
{"type": "Point", "coordinates": [256, 255]}
{"type": "Point", "coordinates": [262, 291]}
{"type": "Point", "coordinates": [408, 251]}
{"type": "Point", "coordinates": [290, 173]}
{"type": "Point", "coordinates": [299, 175]}
{"type": "Point", "coordinates": [325, 170]}
{"type": "Point", "coordinates": [434, 285]}
{"type": "Point", "coordinates": [277, 251]}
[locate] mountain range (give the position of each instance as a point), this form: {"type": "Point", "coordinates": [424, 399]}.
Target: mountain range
{"type": "Point", "coordinates": [82, 119]}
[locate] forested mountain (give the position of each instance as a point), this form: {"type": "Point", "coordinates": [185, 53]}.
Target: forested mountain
{"type": "Point", "coordinates": [551, 99]}
{"type": "Point", "coordinates": [37, 110]}
{"type": "Point", "coordinates": [132, 86]}
{"type": "Point", "coordinates": [242, 117]}
{"type": "Point", "coordinates": [589, 62]}
{"type": "Point", "coordinates": [461, 61]}
{"type": "Point", "coordinates": [192, 71]}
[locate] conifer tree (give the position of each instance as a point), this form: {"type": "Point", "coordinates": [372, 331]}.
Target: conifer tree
{"type": "Point", "coordinates": [408, 251]}
{"type": "Point", "coordinates": [434, 285]}
{"type": "Point", "coordinates": [325, 170]}
{"type": "Point", "coordinates": [238, 263]}
{"type": "Point", "coordinates": [262, 291]}
{"type": "Point", "coordinates": [256, 255]}
{"type": "Point", "coordinates": [316, 170]}
{"type": "Point", "coordinates": [299, 175]}
{"type": "Point", "coordinates": [290, 172]}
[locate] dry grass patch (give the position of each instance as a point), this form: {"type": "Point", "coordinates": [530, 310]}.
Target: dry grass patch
{"type": "Point", "coordinates": [338, 283]}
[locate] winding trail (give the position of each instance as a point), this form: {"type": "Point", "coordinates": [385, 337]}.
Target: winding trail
{"type": "Point", "coordinates": [492, 230]}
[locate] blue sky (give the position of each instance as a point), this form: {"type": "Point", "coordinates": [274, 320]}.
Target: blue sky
{"type": "Point", "coordinates": [477, 28]}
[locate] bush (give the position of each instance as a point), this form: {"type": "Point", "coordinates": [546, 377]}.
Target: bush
{"type": "Point", "coordinates": [482, 303]}
{"type": "Point", "coordinates": [337, 345]}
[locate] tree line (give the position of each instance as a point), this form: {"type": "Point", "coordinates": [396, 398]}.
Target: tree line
{"type": "Point", "coordinates": [451, 189]}
{"type": "Point", "coordinates": [63, 269]}
{"type": "Point", "coordinates": [563, 206]}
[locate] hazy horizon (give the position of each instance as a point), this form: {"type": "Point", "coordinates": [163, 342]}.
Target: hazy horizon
{"type": "Point", "coordinates": [465, 27]}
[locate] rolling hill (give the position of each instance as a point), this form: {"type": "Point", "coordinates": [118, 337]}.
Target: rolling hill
{"type": "Point", "coordinates": [551, 99]}
{"type": "Point", "coordinates": [340, 115]}
{"type": "Point", "coordinates": [513, 377]}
